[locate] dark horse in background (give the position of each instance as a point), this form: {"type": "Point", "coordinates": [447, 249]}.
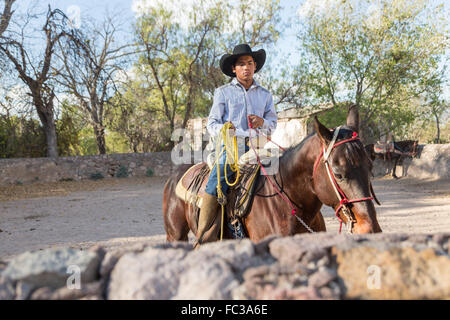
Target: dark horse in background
{"type": "Point", "coordinates": [305, 181]}
{"type": "Point", "coordinates": [401, 150]}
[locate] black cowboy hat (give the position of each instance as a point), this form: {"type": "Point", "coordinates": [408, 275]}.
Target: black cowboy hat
{"type": "Point", "coordinates": [228, 60]}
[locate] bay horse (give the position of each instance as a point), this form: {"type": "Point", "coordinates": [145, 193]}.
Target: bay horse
{"type": "Point", "coordinates": [305, 182]}
{"type": "Point", "coordinates": [402, 149]}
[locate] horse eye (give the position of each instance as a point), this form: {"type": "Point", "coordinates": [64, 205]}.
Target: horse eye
{"type": "Point", "coordinates": [338, 176]}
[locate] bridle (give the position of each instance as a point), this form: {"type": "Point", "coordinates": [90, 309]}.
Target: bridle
{"type": "Point", "coordinates": [344, 202]}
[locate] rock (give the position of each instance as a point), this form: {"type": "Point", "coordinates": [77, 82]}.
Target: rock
{"type": "Point", "coordinates": [150, 275]}
{"type": "Point", "coordinates": [327, 293]}
{"type": "Point", "coordinates": [52, 267]}
{"type": "Point", "coordinates": [262, 246]}
{"type": "Point", "coordinates": [305, 293]}
{"type": "Point", "coordinates": [208, 280]}
{"type": "Point", "coordinates": [277, 275]}
{"type": "Point", "coordinates": [93, 289]}
{"type": "Point", "coordinates": [161, 272]}
{"type": "Point", "coordinates": [322, 277]}
{"type": "Point", "coordinates": [44, 293]}
{"type": "Point", "coordinates": [309, 266]}
{"type": "Point", "coordinates": [7, 291]}
{"type": "Point", "coordinates": [306, 249]}
{"type": "Point", "coordinates": [23, 290]}
{"type": "Point", "coordinates": [440, 238]}
{"type": "Point", "coordinates": [397, 273]}
{"type": "Point", "coordinates": [286, 250]}
{"type": "Point", "coordinates": [113, 255]}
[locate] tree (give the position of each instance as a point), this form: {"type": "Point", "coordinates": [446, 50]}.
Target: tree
{"type": "Point", "coordinates": [36, 74]}
{"type": "Point", "coordinates": [90, 60]}
{"type": "Point", "coordinates": [172, 56]}
{"type": "Point", "coordinates": [435, 106]}
{"type": "Point", "coordinates": [181, 50]}
{"type": "Point", "coordinates": [377, 56]}
{"type": "Point", "coordinates": [131, 114]}
{"type": "Point", "coordinates": [6, 16]}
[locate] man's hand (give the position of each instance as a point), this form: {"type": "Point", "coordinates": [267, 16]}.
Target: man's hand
{"type": "Point", "coordinates": [232, 129]}
{"type": "Point", "coordinates": [255, 121]}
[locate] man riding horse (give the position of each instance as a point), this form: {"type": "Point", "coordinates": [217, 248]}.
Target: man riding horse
{"type": "Point", "coordinates": [241, 104]}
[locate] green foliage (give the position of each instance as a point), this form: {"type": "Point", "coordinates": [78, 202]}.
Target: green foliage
{"type": "Point", "coordinates": [334, 117]}
{"type": "Point", "coordinates": [379, 56]}
{"type": "Point", "coordinates": [122, 172]}
{"type": "Point", "coordinates": [96, 176]}
{"type": "Point", "coordinates": [68, 129]}
{"type": "Point", "coordinates": [21, 138]}
{"type": "Point", "coordinates": [149, 172]}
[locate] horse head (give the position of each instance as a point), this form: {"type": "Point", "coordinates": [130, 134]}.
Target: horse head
{"type": "Point", "coordinates": [341, 177]}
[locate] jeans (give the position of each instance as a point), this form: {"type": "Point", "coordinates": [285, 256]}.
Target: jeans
{"type": "Point", "coordinates": [211, 186]}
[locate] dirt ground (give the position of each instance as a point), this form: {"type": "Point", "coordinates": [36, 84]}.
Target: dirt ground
{"type": "Point", "coordinates": [113, 212]}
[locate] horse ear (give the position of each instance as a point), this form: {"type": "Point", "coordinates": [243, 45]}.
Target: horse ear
{"type": "Point", "coordinates": [323, 132]}
{"type": "Point", "coordinates": [353, 118]}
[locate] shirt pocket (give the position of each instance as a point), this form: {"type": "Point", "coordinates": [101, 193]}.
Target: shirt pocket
{"type": "Point", "coordinates": [235, 107]}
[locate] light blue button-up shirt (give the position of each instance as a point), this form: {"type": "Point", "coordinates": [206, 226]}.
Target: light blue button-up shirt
{"type": "Point", "coordinates": [233, 103]}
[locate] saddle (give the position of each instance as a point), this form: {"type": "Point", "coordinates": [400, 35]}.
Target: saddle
{"type": "Point", "coordinates": [387, 147]}
{"type": "Point", "coordinates": [191, 188]}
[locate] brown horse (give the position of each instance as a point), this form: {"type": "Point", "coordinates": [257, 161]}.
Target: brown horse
{"type": "Point", "coordinates": [305, 182]}
{"type": "Point", "coordinates": [402, 149]}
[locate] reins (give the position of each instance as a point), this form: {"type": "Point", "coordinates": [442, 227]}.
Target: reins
{"type": "Point", "coordinates": [344, 202]}
{"type": "Point", "coordinates": [282, 195]}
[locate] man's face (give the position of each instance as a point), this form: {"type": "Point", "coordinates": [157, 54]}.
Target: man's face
{"type": "Point", "coordinates": [244, 68]}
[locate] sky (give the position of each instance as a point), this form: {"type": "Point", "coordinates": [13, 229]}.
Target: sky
{"type": "Point", "coordinates": [125, 12]}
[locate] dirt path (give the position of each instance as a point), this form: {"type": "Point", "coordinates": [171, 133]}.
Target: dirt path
{"type": "Point", "coordinates": [117, 211]}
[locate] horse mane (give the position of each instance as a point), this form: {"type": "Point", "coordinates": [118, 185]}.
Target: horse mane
{"type": "Point", "coordinates": [292, 150]}
{"type": "Point", "coordinates": [354, 151]}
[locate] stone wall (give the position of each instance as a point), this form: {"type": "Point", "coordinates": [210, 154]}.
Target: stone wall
{"type": "Point", "coordinates": [308, 266]}
{"type": "Point", "coordinates": [432, 162]}
{"type": "Point", "coordinates": [25, 170]}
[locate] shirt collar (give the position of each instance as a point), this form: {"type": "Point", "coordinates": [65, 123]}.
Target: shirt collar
{"type": "Point", "coordinates": [236, 83]}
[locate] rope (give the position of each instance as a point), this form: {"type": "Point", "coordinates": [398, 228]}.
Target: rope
{"type": "Point", "coordinates": [231, 152]}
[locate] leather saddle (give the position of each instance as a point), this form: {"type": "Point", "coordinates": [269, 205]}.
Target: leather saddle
{"type": "Point", "coordinates": [387, 147]}
{"type": "Point", "coordinates": [191, 187]}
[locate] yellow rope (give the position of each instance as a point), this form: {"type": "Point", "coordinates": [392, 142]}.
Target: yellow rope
{"type": "Point", "coordinates": [231, 150]}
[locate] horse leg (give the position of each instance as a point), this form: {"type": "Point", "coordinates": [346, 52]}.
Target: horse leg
{"type": "Point", "coordinates": [175, 222]}
{"type": "Point", "coordinates": [176, 225]}
{"type": "Point", "coordinates": [318, 223]}
{"type": "Point", "coordinates": [394, 168]}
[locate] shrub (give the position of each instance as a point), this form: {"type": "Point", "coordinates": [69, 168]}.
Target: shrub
{"type": "Point", "coordinates": [96, 176]}
{"type": "Point", "coordinates": [122, 172]}
{"type": "Point", "coordinates": [149, 172]}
